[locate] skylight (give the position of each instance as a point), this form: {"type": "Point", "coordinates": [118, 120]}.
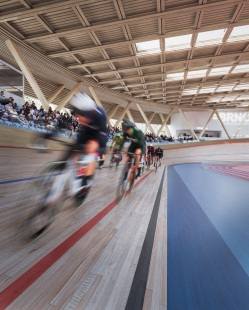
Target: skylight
{"type": "Point", "coordinates": [206, 90]}
{"type": "Point", "coordinates": [242, 86]}
{"type": "Point", "coordinates": [225, 88]}
{"type": "Point", "coordinates": [196, 74]}
{"type": "Point", "coordinates": [244, 97]}
{"type": "Point", "coordinates": [190, 91]}
{"type": "Point", "coordinates": [241, 68]}
{"type": "Point", "coordinates": [238, 33]}
{"type": "Point", "coordinates": [214, 99]}
{"type": "Point", "coordinates": [148, 46]}
{"type": "Point", "coordinates": [175, 76]}
{"type": "Point", "coordinates": [179, 42]}
{"type": "Point", "coordinates": [219, 71]}
{"type": "Point", "coordinates": [210, 37]}
{"type": "Point", "coordinates": [229, 98]}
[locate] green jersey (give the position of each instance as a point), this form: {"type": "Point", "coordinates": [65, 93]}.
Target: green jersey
{"type": "Point", "coordinates": [116, 141]}
{"type": "Point", "coordinates": [137, 141]}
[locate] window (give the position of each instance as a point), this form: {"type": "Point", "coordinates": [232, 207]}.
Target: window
{"type": "Point", "coordinates": [210, 37]}
{"type": "Point", "coordinates": [196, 74]}
{"type": "Point", "coordinates": [239, 33]}
{"type": "Point", "coordinates": [175, 76]}
{"type": "Point", "coordinates": [189, 91]}
{"type": "Point", "coordinates": [148, 46]}
{"type": "Point", "coordinates": [205, 90]}
{"type": "Point", "coordinates": [219, 71]}
{"type": "Point", "coordinates": [179, 42]}
{"type": "Point", "coordinates": [241, 68]}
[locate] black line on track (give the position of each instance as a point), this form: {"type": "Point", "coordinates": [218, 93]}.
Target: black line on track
{"type": "Point", "coordinates": [137, 292]}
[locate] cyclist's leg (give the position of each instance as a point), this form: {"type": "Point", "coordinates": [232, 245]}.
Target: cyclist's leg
{"type": "Point", "coordinates": [138, 154]}
{"type": "Point", "coordinates": [91, 148]}
{"type": "Point", "coordinates": [102, 156]}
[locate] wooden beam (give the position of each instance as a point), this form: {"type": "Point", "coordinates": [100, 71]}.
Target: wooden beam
{"type": "Point", "coordinates": [50, 7]}
{"type": "Point", "coordinates": [68, 96]}
{"type": "Point", "coordinates": [97, 100]}
{"type": "Point", "coordinates": [187, 122]}
{"type": "Point", "coordinates": [165, 121]}
{"type": "Point", "coordinates": [28, 74]}
{"type": "Point", "coordinates": [150, 120]}
{"type": "Point", "coordinates": [245, 117]}
{"type": "Point", "coordinates": [95, 97]}
{"type": "Point", "coordinates": [167, 128]}
{"type": "Point", "coordinates": [130, 116]}
{"type": "Point", "coordinates": [113, 111]}
{"type": "Point", "coordinates": [222, 124]}
{"type": "Point", "coordinates": [55, 93]}
{"type": "Point", "coordinates": [203, 130]}
{"type": "Point", "coordinates": [145, 118]}
{"type": "Point", "coordinates": [122, 114]}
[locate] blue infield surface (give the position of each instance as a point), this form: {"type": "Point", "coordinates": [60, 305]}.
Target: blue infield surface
{"type": "Point", "coordinates": [208, 240]}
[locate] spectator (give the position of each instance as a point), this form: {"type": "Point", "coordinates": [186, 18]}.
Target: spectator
{"type": "Point", "coordinates": [22, 118]}
{"type": "Point", "coordinates": [2, 95]}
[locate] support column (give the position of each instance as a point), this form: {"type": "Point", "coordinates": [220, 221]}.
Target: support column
{"type": "Point", "coordinates": [203, 130]}
{"type": "Point", "coordinates": [55, 93]}
{"type": "Point", "coordinates": [150, 120]}
{"type": "Point", "coordinates": [130, 116]}
{"type": "Point", "coordinates": [113, 111]}
{"type": "Point", "coordinates": [145, 118]}
{"type": "Point", "coordinates": [122, 114]}
{"type": "Point", "coordinates": [95, 97]}
{"type": "Point", "coordinates": [97, 100]}
{"type": "Point", "coordinates": [216, 112]}
{"type": "Point", "coordinates": [165, 121]}
{"type": "Point", "coordinates": [235, 136]}
{"type": "Point", "coordinates": [28, 74]}
{"type": "Point", "coordinates": [69, 96]}
{"type": "Point", "coordinates": [190, 128]}
{"type": "Point", "coordinates": [167, 128]}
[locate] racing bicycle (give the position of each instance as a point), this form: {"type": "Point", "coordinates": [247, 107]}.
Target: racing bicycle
{"type": "Point", "coordinates": [115, 159]}
{"type": "Point", "coordinates": [127, 177]}
{"type": "Point", "coordinates": [49, 188]}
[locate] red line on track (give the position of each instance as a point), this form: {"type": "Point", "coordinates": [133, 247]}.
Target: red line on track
{"type": "Point", "coordinates": [15, 289]}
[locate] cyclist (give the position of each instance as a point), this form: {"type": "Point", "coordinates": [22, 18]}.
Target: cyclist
{"type": "Point", "coordinates": [151, 151]}
{"type": "Point", "coordinates": [158, 155]}
{"type": "Point", "coordinates": [116, 141]}
{"type": "Point", "coordinates": [137, 146]}
{"type": "Point", "coordinates": [93, 134]}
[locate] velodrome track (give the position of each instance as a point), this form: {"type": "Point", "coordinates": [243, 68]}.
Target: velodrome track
{"type": "Point", "coordinates": [90, 258]}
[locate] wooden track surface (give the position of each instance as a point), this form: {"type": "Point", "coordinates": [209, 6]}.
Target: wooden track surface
{"type": "Point", "coordinates": [96, 272]}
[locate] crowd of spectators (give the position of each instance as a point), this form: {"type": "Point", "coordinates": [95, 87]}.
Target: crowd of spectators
{"type": "Point", "coordinates": [30, 115]}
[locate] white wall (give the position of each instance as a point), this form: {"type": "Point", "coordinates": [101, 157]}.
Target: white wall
{"type": "Point", "coordinates": [232, 121]}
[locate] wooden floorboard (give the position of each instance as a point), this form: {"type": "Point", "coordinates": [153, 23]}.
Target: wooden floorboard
{"type": "Point", "coordinates": [97, 272]}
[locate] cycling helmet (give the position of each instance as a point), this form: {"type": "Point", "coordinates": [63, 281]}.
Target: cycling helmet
{"type": "Point", "coordinates": [127, 125]}
{"type": "Point", "coordinates": [151, 144]}
{"type": "Point", "coordinates": [83, 104]}
{"type": "Point", "coordinates": [118, 135]}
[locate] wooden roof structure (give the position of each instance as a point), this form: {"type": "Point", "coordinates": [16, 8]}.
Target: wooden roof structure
{"type": "Point", "coordinates": [160, 54]}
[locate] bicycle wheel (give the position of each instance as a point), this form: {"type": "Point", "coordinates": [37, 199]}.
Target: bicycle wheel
{"type": "Point", "coordinates": [142, 168]}
{"type": "Point", "coordinates": [81, 196]}
{"type": "Point", "coordinates": [35, 215]}
{"type": "Point", "coordinates": [122, 183]}
{"type": "Point", "coordinates": [156, 165]}
{"type": "Point", "coordinates": [149, 162]}
{"type": "Point", "coordinates": [111, 163]}
{"type": "Point", "coordinates": [132, 178]}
